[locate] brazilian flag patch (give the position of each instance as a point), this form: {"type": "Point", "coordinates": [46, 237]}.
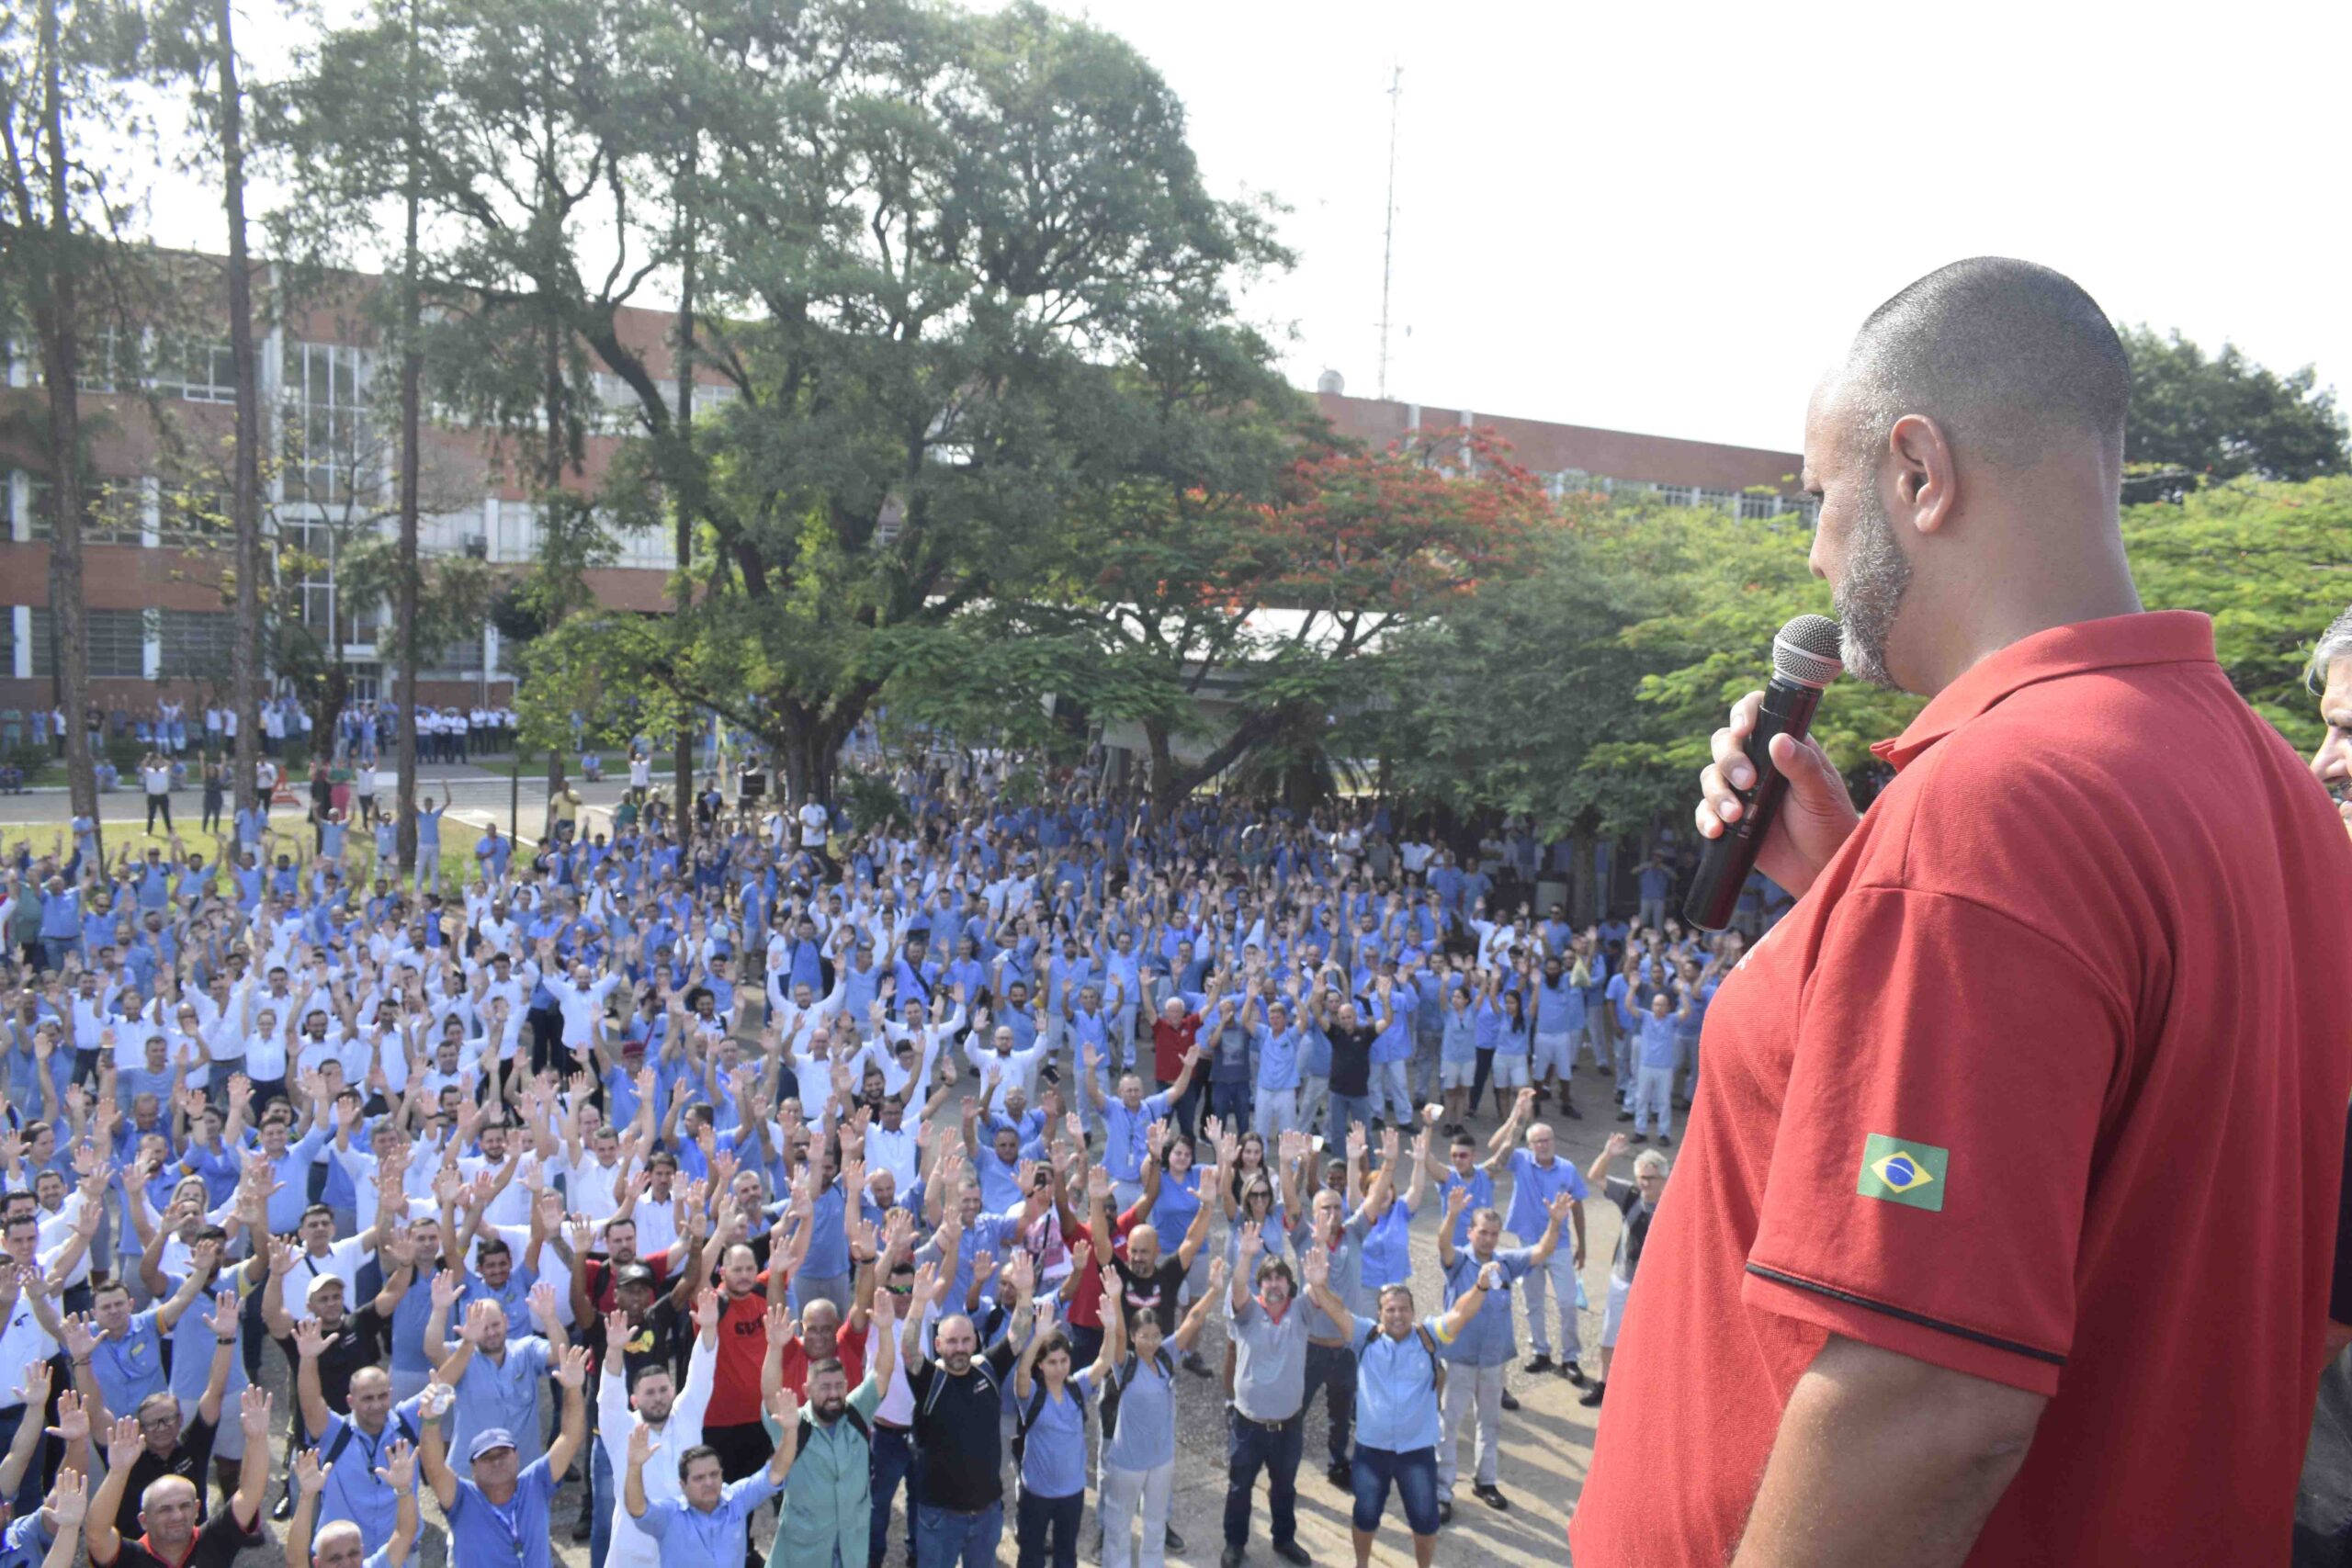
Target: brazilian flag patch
{"type": "Point", "coordinates": [1900, 1171]}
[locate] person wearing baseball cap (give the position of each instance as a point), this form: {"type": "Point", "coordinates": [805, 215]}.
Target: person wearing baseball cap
{"type": "Point", "coordinates": [501, 1516]}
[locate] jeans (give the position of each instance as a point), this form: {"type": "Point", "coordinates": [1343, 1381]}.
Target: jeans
{"type": "Point", "coordinates": [944, 1540]}
{"type": "Point", "coordinates": [1415, 1474]}
{"type": "Point", "coordinates": [1186, 1111]}
{"type": "Point", "coordinates": [1468, 1387]}
{"type": "Point", "coordinates": [54, 950]}
{"type": "Point", "coordinates": [1121, 1492]}
{"type": "Point", "coordinates": [894, 1458]}
{"type": "Point", "coordinates": [1427, 1041]}
{"type": "Point", "coordinates": [1229, 1103]}
{"type": "Point", "coordinates": [1254, 1446]}
{"type": "Point", "coordinates": [1555, 1281]}
{"type": "Point", "coordinates": [1347, 1110]}
{"type": "Point", "coordinates": [1391, 1087]}
{"type": "Point", "coordinates": [1036, 1518]}
{"type": "Point", "coordinates": [600, 1484]}
{"type": "Point", "coordinates": [1332, 1369]}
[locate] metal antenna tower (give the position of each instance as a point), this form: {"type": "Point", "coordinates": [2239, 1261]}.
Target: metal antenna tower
{"type": "Point", "coordinates": [1388, 242]}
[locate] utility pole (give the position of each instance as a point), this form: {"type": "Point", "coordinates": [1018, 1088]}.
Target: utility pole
{"type": "Point", "coordinates": [1388, 241]}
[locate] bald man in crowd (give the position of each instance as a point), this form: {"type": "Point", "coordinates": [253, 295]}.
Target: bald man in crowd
{"type": "Point", "coordinates": [2038, 1044]}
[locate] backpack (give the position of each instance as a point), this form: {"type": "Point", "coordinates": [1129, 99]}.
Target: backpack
{"type": "Point", "coordinates": [1121, 1376]}
{"type": "Point", "coordinates": [1429, 1343]}
{"type": "Point", "coordinates": [343, 1439]}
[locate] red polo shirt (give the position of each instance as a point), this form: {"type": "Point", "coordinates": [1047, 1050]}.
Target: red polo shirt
{"type": "Point", "coordinates": [2043, 1081]}
{"type": "Point", "coordinates": [1171, 1043]}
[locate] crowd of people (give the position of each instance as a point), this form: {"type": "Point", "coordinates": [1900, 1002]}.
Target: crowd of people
{"type": "Point", "coordinates": [784, 1165]}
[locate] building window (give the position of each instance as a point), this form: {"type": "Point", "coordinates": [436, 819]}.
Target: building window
{"type": "Point", "coordinates": [118, 643]}
{"type": "Point", "coordinates": [110, 512]}
{"type": "Point", "coordinates": [199, 371]}
{"type": "Point", "coordinates": [197, 644]}
{"type": "Point", "coordinates": [329, 455]}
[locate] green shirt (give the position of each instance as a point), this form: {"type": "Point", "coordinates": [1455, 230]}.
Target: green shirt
{"type": "Point", "coordinates": [829, 1496]}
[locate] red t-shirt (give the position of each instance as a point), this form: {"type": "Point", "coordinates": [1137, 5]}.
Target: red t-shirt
{"type": "Point", "coordinates": [849, 1347]}
{"type": "Point", "coordinates": [742, 1346]}
{"type": "Point", "coordinates": [2042, 1081]}
{"type": "Point", "coordinates": [596, 1277]}
{"type": "Point", "coordinates": [1170, 1043]}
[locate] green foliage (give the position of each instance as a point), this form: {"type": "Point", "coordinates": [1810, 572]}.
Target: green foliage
{"type": "Point", "coordinates": [2271, 563]}
{"type": "Point", "coordinates": [1582, 692]}
{"type": "Point", "coordinates": [2223, 417]}
{"type": "Point", "coordinates": [873, 801]}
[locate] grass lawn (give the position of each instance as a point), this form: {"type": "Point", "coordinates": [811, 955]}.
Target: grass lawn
{"type": "Point", "coordinates": [293, 830]}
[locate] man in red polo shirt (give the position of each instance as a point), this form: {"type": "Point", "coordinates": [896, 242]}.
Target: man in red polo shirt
{"type": "Point", "coordinates": [2003, 1228]}
{"type": "Point", "coordinates": [1172, 1036]}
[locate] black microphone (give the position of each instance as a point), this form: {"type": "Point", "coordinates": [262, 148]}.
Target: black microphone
{"type": "Point", "coordinates": [1805, 659]}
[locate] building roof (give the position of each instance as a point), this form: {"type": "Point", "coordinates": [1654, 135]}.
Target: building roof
{"type": "Point", "coordinates": [1551, 449]}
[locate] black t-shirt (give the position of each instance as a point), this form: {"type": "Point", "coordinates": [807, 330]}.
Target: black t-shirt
{"type": "Point", "coordinates": [362, 1341]}
{"type": "Point", "coordinates": [189, 1461]}
{"type": "Point", "coordinates": [664, 1338]}
{"type": "Point", "coordinates": [958, 1431]}
{"type": "Point", "coordinates": [1351, 1060]}
{"type": "Point", "coordinates": [1628, 1199]}
{"type": "Point", "coordinates": [1156, 1291]}
{"type": "Point", "coordinates": [217, 1544]}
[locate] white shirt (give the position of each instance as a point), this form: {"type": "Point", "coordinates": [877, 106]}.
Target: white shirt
{"type": "Point", "coordinates": [631, 1547]}
{"type": "Point", "coordinates": [813, 822]}
{"type": "Point", "coordinates": [159, 780]}
{"type": "Point", "coordinates": [341, 1261]}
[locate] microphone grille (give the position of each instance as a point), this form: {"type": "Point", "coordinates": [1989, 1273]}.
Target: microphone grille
{"type": "Point", "coordinates": [1806, 651]}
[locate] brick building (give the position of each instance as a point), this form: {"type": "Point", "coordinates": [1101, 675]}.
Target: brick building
{"type": "Point", "coordinates": [153, 574]}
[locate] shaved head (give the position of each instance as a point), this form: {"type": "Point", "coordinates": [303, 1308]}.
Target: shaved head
{"type": "Point", "coordinates": [2010, 358]}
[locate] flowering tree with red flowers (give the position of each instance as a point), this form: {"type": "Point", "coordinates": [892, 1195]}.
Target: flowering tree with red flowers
{"type": "Point", "coordinates": [1275, 598]}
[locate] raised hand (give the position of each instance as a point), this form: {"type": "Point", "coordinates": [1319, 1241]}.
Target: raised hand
{"type": "Point", "coordinates": [572, 1371]}
{"type": "Point", "coordinates": [309, 1476]}
{"type": "Point", "coordinates": [124, 1442]}
{"type": "Point", "coordinates": [434, 1401]}
{"type": "Point", "coordinates": [1616, 1145]}
{"type": "Point", "coordinates": [253, 1414]}
{"type": "Point", "coordinates": [641, 1445]}
{"type": "Point", "coordinates": [399, 1470]}
{"type": "Point", "coordinates": [73, 1420]}
{"type": "Point", "coordinates": [223, 1319]}
{"type": "Point", "coordinates": [68, 1500]}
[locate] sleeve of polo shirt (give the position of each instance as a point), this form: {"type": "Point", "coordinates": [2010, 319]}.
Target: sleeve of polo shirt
{"type": "Point", "coordinates": [1927, 1185]}
{"type": "Point", "coordinates": [658, 1513]}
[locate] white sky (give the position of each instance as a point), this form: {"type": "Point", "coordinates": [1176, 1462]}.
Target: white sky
{"type": "Point", "coordinates": [1669, 219]}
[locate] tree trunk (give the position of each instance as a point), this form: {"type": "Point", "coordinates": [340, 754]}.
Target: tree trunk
{"type": "Point", "coordinates": [552, 478]}
{"type": "Point", "coordinates": [245, 489]}
{"type": "Point", "coordinates": [682, 764]}
{"type": "Point", "coordinates": [411, 392]}
{"type": "Point", "coordinates": [1165, 792]}
{"type": "Point", "coordinates": [808, 750]}
{"type": "Point", "coordinates": [56, 325]}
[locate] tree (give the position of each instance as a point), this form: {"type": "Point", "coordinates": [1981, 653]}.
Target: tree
{"type": "Point", "coordinates": [1277, 590]}
{"type": "Point", "coordinates": [935, 242]}
{"type": "Point", "coordinates": [62, 225]}
{"type": "Point", "coordinates": [2271, 563]}
{"type": "Point", "coordinates": [2223, 417]}
{"type": "Point", "coordinates": [1583, 692]}
{"type": "Point", "coordinates": [196, 42]}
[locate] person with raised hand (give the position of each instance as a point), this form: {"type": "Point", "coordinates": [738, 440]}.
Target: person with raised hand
{"type": "Point", "coordinates": [500, 1517]}
{"type": "Point", "coordinates": [168, 1512]}
{"type": "Point", "coordinates": [642, 1395]}
{"type": "Point", "coordinates": [59, 1522]}
{"type": "Point", "coordinates": [708, 1523]}
{"type": "Point", "coordinates": [824, 1513]}
{"type": "Point", "coordinates": [339, 1543]}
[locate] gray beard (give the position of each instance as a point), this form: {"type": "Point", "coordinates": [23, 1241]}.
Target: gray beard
{"type": "Point", "coordinates": [1869, 591]}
